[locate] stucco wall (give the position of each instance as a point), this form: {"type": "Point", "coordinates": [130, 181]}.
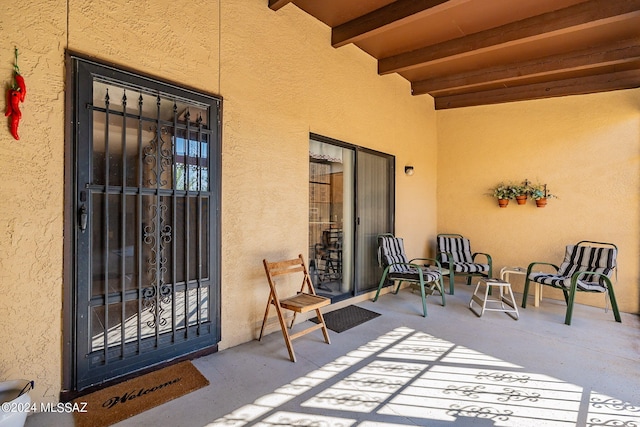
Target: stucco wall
{"type": "Point", "coordinates": [586, 148]}
{"type": "Point", "coordinates": [280, 80]}
{"type": "Point", "coordinates": [31, 197]}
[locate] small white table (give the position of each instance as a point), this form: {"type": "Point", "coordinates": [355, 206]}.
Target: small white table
{"type": "Point", "coordinates": [506, 271]}
{"type": "Point", "coordinates": [506, 300]}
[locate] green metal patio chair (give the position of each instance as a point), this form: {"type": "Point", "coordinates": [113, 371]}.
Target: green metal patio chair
{"type": "Point", "coordinates": [397, 268]}
{"type": "Point", "coordinates": [454, 254]}
{"type": "Point", "coordinates": [585, 268]}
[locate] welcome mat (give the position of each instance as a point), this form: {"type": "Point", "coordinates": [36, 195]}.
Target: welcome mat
{"type": "Point", "coordinates": [121, 401]}
{"type": "Point", "coordinates": [346, 318]}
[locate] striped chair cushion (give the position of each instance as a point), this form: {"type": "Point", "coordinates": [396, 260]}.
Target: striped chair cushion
{"type": "Point", "coordinates": [469, 267]}
{"type": "Point", "coordinates": [392, 251]}
{"type": "Point", "coordinates": [581, 258]}
{"type": "Point", "coordinates": [412, 274]}
{"type": "Point", "coordinates": [459, 249]}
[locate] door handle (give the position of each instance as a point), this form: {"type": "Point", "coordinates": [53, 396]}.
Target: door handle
{"type": "Point", "coordinates": [83, 218]}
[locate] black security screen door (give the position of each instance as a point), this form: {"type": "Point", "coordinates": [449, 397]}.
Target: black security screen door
{"type": "Point", "coordinates": [147, 180]}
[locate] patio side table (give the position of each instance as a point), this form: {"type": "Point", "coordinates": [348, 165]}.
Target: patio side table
{"type": "Point", "coordinates": [506, 271]}
{"type": "Point", "coordinates": [505, 299]}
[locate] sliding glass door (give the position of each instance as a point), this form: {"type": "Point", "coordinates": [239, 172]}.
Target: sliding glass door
{"type": "Point", "coordinates": [375, 210]}
{"type": "Point", "coordinates": [350, 203]}
{"type": "Point", "coordinates": [331, 218]}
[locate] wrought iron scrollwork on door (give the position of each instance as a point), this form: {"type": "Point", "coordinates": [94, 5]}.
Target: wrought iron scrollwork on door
{"type": "Point", "coordinates": [157, 234]}
{"type": "Point", "coordinates": [159, 157]}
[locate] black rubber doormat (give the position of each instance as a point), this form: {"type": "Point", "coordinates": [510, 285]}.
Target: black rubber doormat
{"type": "Point", "coordinates": [346, 318]}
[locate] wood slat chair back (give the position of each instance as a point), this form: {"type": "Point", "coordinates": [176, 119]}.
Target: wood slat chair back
{"type": "Point", "coordinates": [304, 301]}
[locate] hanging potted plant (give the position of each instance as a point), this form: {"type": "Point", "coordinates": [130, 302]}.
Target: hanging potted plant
{"type": "Point", "coordinates": [521, 192]}
{"type": "Point", "coordinates": [503, 192]}
{"type": "Point", "coordinates": [540, 194]}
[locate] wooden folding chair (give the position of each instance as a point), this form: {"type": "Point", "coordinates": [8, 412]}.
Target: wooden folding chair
{"type": "Point", "coordinates": [300, 303]}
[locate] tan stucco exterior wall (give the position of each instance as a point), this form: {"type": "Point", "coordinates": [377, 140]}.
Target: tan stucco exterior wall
{"type": "Point", "coordinates": [31, 197]}
{"type": "Point", "coordinates": [280, 79]}
{"type": "Point", "coordinates": [586, 148]}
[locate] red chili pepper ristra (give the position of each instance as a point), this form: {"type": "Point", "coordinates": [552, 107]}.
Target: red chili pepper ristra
{"type": "Point", "coordinates": [16, 114]}
{"type": "Point", "coordinates": [8, 110]}
{"type": "Point", "coordinates": [15, 96]}
{"type": "Point", "coordinates": [21, 85]}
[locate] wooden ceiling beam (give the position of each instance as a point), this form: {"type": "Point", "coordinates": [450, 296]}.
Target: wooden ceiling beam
{"type": "Point", "coordinates": [577, 86]}
{"type": "Point", "coordinates": [580, 16]}
{"type": "Point", "coordinates": [599, 56]}
{"type": "Point", "coordinates": [277, 4]}
{"type": "Point", "coordinates": [389, 16]}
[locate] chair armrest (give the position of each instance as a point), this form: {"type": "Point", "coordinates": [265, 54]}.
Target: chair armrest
{"type": "Point", "coordinates": [405, 263]}
{"type": "Point", "coordinates": [410, 264]}
{"type": "Point", "coordinates": [473, 257]}
{"type": "Point", "coordinates": [574, 276]}
{"type": "Point", "coordinates": [448, 254]}
{"type": "Point", "coordinates": [530, 267]}
{"type": "Point", "coordinates": [437, 263]}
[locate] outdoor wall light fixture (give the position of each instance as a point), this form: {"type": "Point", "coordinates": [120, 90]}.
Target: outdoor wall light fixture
{"type": "Point", "coordinates": [408, 170]}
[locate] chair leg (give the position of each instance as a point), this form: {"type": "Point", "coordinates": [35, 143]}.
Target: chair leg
{"type": "Point", "coordinates": [382, 280]}
{"type": "Point", "coordinates": [570, 297]}
{"type": "Point", "coordinates": [614, 307]}
{"type": "Point", "coordinates": [293, 320]}
{"type": "Point", "coordinates": [451, 280]}
{"type": "Point", "coordinates": [525, 292]}
{"type": "Point", "coordinates": [264, 320]}
{"type": "Point", "coordinates": [441, 286]}
{"type": "Point", "coordinates": [285, 334]}
{"type": "Point", "coordinates": [397, 287]}
{"type": "Point", "coordinates": [424, 299]}
{"type": "Point", "coordinates": [283, 327]}
{"type": "Point", "coordinates": [325, 332]}
{"type": "Point", "coordinates": [614, 303]}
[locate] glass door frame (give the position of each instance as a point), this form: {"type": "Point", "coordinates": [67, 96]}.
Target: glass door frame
{"type": "Point", "coordinates": [360, 288]}
{"type": "Point", "coordinates": [360, 218]}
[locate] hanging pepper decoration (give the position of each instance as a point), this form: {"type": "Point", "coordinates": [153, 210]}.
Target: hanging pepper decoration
{"type": "Point", "coordinates": [13, 110]}
{"type": "Point", "coordinates": [15, 95]}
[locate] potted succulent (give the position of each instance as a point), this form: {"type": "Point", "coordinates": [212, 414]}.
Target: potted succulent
{"type": "Point", "coordinates": [540, 193]}
{"type": "Point", "coordinates": [503, 192]}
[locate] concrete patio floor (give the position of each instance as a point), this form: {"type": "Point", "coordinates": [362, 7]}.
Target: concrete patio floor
{"type": "Point", "coordinates": [400, 369]}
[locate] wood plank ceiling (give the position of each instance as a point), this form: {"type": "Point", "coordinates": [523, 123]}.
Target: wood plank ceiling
{"type": "Point", "coordinates": [476, 52]}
